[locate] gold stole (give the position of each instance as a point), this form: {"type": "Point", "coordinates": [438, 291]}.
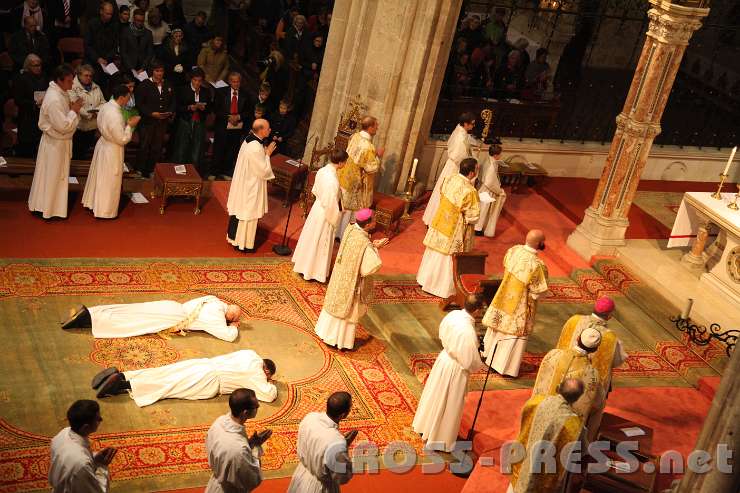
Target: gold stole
{"type": "Point", "coordinates": [181, 328]}
{"type": "Point", "coordinates": [603, 358]}
{"type": "Point", "coordinates": [340, 293]}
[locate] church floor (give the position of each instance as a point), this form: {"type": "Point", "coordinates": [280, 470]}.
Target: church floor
{"type": "Point", "coordinates": [50, 267]}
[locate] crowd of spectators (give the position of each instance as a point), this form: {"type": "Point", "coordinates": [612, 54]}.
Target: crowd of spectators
{"type": "Point", "coordinates": [484, 63]}
{"type": "Point", "coordinates": [205, 78]}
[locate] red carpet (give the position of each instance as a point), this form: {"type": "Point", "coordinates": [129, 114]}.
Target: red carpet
{"type": "Point", "coordinates": [676, 423]}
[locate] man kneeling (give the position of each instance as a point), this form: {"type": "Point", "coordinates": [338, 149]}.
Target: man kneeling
{"type": "Point", "coordinates": [192, 379]}
{"type": "Point", "coordinates": [166, 317]}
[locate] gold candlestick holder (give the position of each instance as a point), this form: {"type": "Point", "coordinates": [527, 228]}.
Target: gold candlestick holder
{"type": "Point", "coordinates": [734, 205]}
{"type": "Point", "coordinates": [718, 194]}
{"type": "Point", "coordinates": [408, 193]}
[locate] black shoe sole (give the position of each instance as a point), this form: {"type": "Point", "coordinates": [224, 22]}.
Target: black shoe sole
{"type": "Point", "coordinates": [69, 323]}
{"type": "Point", "coordinates": [110, 386]}
{"type": "Point", "coordinates": [98, 379]}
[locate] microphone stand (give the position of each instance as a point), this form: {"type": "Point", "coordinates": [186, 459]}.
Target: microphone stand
{"type": "Point", "coordinates": [283, 249]}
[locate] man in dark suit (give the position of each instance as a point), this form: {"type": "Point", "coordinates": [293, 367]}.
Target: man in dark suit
{"type": "Point", "coordinates": [155, 100]}
{"type": "Point", "coordinates": [194, 102]}
{"type": "Point", "coordinates": [64, 17]}
{"type": "Point", "coordinates": [232, 107]}
{"type": "Point", "coordinates": [101, 42]}
{"type": "Point", "coordinates": [34, 9]}
{"type": "Point", "coordinates": [137, 44]}
{"type": "Point", "coordinates": [26, 41]}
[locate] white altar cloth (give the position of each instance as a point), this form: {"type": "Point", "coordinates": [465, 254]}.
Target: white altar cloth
{"type": "Point", "coordinates": [698, 205]}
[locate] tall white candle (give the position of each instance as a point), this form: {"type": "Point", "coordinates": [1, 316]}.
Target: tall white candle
{"type": "Point", "coordinates": [729, 161]}
{"type": "Point", "coordinates": [687, 309]}
{"type": "Point", "coordinates": [413, 168]}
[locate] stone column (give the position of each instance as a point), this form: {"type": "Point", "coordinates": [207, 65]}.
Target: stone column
{"type": "Point", "coordinates": [393, 54]}
{"type": "Point", "coordinates": [605, 222]}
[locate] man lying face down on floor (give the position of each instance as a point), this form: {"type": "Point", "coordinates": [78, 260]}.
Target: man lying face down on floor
{"type": "Point", "coordinates": [166, 317]}
{"type": "Point", "coordinates": [192, 379]}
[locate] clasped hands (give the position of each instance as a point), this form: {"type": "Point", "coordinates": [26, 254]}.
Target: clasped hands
{"type": "Point", "coordinates": [258, 439]}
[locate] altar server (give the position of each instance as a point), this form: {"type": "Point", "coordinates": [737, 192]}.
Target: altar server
{"type": "Point", "coordinates": [349, 287]}
{"type": "Point", "coordinates": [458, 148]}
{"type": "Point", "coordinates": [58, 120]}
{"type": "Point", "coordinates": [441, 404]}
{"type": "Point", "coordinates": [166, 318]}
{"type": "Point", "coordinates": [247, 201]}
{"type": "Point", "coordinates": [233, 458]}
{"type": "Point", "coordinates": [74, 468]}
{"type": "Point", "coordinates": [312, 256]}
{"type": "Point", "coordinates": [451, 231]}
{"type": "Point", "coordinates": [510, 316]}
{"type": "Point", "coordinates": [193, 379]}
{"type": "Point", "coordinates": [491, 193]}
{"type": "Point", "coordinates": [103, 187]}
{"type": "Point", "coordinates": [322, 449]}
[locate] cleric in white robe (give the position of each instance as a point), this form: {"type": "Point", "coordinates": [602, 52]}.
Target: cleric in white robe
{"type": "Point", "coordinates": [458, 148]}
{"type": "Point", "coordinates": [103, 187]}
{"type": "Point", "coordinates": [207, 314]}
{"type": "Point", "coordinates": [233, 458]}
{"type": "Point", "coordinates": [247, 201]}
{"type": "Point", "coordinates": [491, 193]}
{"type": "Point", "coordinates": [441, 404]}
{"type": "Point", "coordinates": [312, 256]}
{"type": "Point", "coordinates": [58, 121]}
{"type": "Point", "coordinates": [322, 449]}
{"type": "Point", "coordinates": [192, 379]}
{"type": "Point", "coordinates": [73, 467]}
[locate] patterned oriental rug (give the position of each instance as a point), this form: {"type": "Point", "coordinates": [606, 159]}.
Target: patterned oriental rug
{"type": "Point", "coordinates": [161, 446]}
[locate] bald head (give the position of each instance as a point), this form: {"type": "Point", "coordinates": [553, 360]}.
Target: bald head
{"type": "Point", "coordinates": [536, 239]}
{"type": "Point", "coordinates": [571, 389]}
{"type": "Point", "coordinates": [261, 128]}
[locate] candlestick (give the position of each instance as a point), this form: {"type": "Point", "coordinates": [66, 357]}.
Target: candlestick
{"type": "Point", "coordinates": [734, 205]}
{"type": "Point", "coordinates": [718, 194]}
{"type": "Point", "coordinates": [407, 194]}
{"type": "Point", "coordinates": [729, 161]}
{"type": "Point", "coordinates": [687, 309]}
{"type": "Point", "coordinates": [413, 168]}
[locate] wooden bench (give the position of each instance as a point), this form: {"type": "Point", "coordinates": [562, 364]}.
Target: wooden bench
{"type": "Point", "coordinates": [388, 212]}
{"type": "Point", "coordinates": [289, 178]}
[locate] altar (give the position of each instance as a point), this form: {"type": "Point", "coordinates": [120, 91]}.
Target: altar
{"type": "Point", "coordinates": [699, 216]}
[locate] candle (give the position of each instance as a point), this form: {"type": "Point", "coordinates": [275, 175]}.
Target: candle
{"type": "Point", "coordinates": [687, 309]}
{"type": "Point", "coordinates": [729, 161]}
{"type": "Point", "coordinates": [413, 168]}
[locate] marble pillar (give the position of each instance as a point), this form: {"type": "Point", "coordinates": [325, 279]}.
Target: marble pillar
{"type": "Point", "coordinates": [605, 221]}
{"type": "Point", "coordinates": [393, 55]}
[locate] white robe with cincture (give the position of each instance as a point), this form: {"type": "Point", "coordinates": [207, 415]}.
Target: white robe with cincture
{"type": "Point", "coordinates": [320, 444]}
{"type": "Point", "coordinates": [51, 175]}
{"type": "Point", "coordinates": [235, 466]}
{"type": "Point", "coordinates": [136, 319]}
{"type": "Point", "coordinates": [458, 148]}
{"type": "Point", "coordinates": [312, 256]}
{"type": "Point", "coordinates": [201, 378]}
{"type": "Point", "coordinates": [490, 185]}
{"type": "Point", "coordinates": [103, 187]}
{"type": "Point", "coordinates": [440, 407]}
{"type": "Point", "coordinates": [72, 468]}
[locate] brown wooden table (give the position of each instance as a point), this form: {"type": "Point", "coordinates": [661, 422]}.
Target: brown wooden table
{"type": "Point", "coordinates": [167, 183]}
{"type": "Point", "coordinates": [288, 178]}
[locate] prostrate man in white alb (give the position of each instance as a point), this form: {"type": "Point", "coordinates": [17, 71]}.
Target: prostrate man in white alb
{"type": "Point", "coordinates": [74, 468]}
{"type": "Point", "coordinates": [491, 193]}
{"type": "Point", "coordinates": [192, 379]}
{"type": "Point", "coordinates": [103, 187]}
{"type": "Point", "coordinates": [233, 458]}
{"type": "Point", "coordinates": [247, 201]}
{"type": "Point", "coordinates": [312, 256]}
{"type": "Point", "coordinates": [440, 406]}
{"type": "Point", "coordinates": [458, 148]}
{"type": "Point", "coordinates": [58, 121]}
{"type": "Point", "coordinates": [166, 317]}
{"type": "Point", "coordinates": [322, 449]}
{"type": "Point", "coordinates": [349, 288]}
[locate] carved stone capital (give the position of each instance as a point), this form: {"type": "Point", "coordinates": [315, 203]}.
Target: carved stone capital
{"type": "Point", "coordinates": [674, 24]}
{"type": "Point", "coordinates": [633, 128]}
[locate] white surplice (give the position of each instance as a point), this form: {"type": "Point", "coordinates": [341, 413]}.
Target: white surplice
{"type": "Point", "coordinates": [136, 319]}
{"type": "Point", "coordinates": [491, 186]}
{"type": "Point", "coordinates": [441, 404]}
{"type": "Point", "coordinates": [103, 187]}
{"type": "Point", "coordinates": [235, 466]}
{"type": "Point", "coordinates": [322, 451]}
{"type": "Point", "coordinates": [458, 148]}
{"type": "Point", "coordinates": [201, 378]}
{"type": "Point", "coordinates": [312, 256]}
{"type": "Point", "coordinates": [248, 191]}
{"type": "Point", "coordinates": [72, 468]}
{"type": "Point", "coordinates": [51, 175]}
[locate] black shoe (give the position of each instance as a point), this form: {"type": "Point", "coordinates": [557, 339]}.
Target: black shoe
{"type": "Point", "coordinates": [79, 319]}
{"type": "Point", "coordinates": [98, 379]}
{"type": "Point", "coordinates": [478, 233]}
{"type": "Point", "coordinates": [113, 385]}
